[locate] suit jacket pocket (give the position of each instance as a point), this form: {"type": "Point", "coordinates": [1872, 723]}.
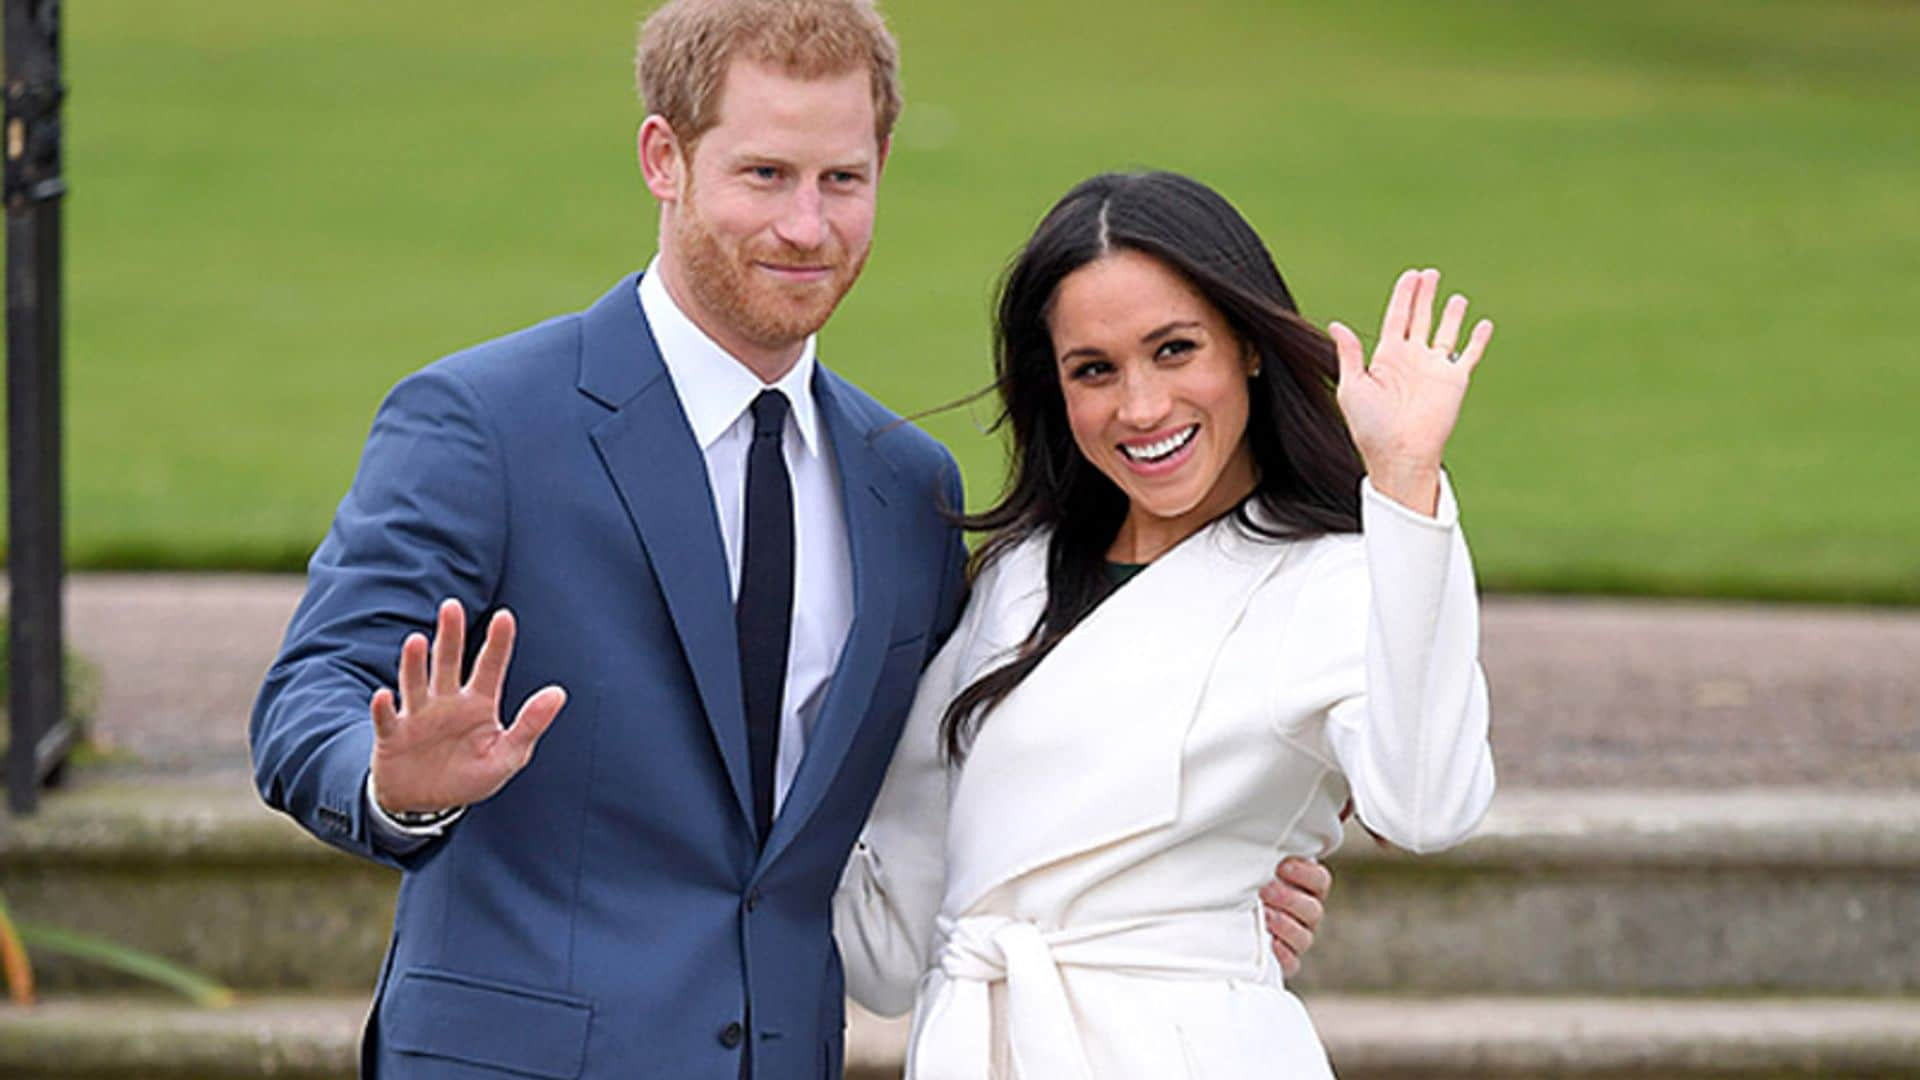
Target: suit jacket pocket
{"type": "Point", "coordinates": [462, 1018]}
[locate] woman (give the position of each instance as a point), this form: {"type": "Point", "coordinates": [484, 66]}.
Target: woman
{"type": "Point", "coordinates": [1196, 632]}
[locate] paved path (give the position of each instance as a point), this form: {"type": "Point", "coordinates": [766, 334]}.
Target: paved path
{"type": "Point", "coordinates": [1586, 693]}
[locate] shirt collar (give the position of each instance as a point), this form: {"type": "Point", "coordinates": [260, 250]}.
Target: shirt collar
{"type": "Point", "coordinates": [713, 386]}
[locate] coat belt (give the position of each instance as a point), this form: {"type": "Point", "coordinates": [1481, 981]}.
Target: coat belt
{"type": "Point", "coordinates": [954, 1039]}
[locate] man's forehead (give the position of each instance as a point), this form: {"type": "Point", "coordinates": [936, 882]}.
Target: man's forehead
{"type": "Point", "coordinates": [763, 105]}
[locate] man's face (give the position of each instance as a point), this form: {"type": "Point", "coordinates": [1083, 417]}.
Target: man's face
{"type": "Point", "coordinates": [775, 218]}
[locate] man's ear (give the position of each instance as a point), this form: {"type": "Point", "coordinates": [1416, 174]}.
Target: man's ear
{"type": "Point", "coordinates": [886, 146]}
{"type": "Point", "coordinates": [663, 162]}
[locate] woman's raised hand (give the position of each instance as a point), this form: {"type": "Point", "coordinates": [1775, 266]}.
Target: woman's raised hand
{"type": "Point", "coordinates": [1402, 406]}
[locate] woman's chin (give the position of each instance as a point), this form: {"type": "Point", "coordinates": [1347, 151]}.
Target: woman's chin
{"type": "Point", "coordinates": [1161, 506]}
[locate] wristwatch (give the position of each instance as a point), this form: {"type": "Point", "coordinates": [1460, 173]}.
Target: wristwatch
{"type": "Point", "coordinates": [421, 819]}
{"type": "Point", "coordinates": [412, 820]}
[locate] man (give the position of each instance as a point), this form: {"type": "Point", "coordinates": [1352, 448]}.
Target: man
{"type": "Point", "coordinates": [725, 563]}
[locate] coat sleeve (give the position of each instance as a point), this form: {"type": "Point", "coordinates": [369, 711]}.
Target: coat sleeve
{"type": "Point", "coordinates": [424, 520]}
{"type": "Point", "coordinates": [1409, 727]}
{"type": "Point", "coordinates": [890, 893]}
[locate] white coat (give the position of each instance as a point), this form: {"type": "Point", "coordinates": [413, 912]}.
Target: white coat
{"type": "Point", "coordinates": [1078, 900]}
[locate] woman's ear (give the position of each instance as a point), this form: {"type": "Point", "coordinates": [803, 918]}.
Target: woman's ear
{"type": "Point", "coordinates": [1250, 359]}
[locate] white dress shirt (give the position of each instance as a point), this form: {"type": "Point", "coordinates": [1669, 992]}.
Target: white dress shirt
{"type": "Point", "coordinates": [716, 392]}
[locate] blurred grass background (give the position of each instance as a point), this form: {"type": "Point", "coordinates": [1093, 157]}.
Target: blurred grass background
{"type": "Point", "coordinates": [1698, 227]}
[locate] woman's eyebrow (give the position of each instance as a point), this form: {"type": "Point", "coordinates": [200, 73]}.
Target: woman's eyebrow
{"type": "Point", "coordinates": [1177, 324]}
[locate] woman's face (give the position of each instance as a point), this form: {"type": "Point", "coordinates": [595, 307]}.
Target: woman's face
{"type": "Point", "coordinates": [1155, 383]}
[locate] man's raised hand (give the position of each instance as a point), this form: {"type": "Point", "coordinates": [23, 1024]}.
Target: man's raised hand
{"type": "Point", "coordinates": [443, 746]}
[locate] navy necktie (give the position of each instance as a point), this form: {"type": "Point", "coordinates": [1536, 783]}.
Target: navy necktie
{"type": "Point", "coordinates": [763, 613]}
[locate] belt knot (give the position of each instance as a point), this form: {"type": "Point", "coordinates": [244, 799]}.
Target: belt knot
{"type": "Point", "coordinates": [954, 1036]}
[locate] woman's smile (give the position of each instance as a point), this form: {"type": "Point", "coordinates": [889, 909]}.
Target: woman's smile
{"type": "Point", "coordinates": [1156, 456]}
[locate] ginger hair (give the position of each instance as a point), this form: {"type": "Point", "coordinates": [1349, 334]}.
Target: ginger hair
{"type": "Point", "coordinates": [686, 47]}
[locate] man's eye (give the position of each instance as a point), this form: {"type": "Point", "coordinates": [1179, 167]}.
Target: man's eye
{"type": "Point", "coordinates": [764, 172]}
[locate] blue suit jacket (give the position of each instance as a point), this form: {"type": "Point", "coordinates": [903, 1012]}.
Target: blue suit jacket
{"type": "Point", "coordinates": [610, 913]}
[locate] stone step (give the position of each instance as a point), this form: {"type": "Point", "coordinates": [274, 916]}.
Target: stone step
{"type": "Point", "coordinates": [1402, 1038]}
{"type": "Point", "coordinates": [1638, 893]}
{"type": "Point", "coordinates": [144, 1038]}
{"type": "Point", "coordinates": [201, 874]}
{"type": "Point", "coordinates": [1561, 893]}
{"type": "Point", "coordinates": [1369, 1038]}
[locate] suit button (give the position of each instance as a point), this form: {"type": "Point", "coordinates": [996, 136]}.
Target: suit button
{"type": "Point", "coordinates": [753, 898]}
{"type": "Point", "coordinates": [732, 1034]}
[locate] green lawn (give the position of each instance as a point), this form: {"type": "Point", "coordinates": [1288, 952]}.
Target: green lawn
{"type": "Point", "coordinates": [1698, 229]}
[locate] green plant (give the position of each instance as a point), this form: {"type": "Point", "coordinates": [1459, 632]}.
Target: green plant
{"type": "Point", "coordinates": [15, 969]}
{"type": "Point", "coordinates": [15, 962]}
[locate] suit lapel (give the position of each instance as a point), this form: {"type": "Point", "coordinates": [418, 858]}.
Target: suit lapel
{"type": "Point", "coordinates": [650, 454]}
{"type": "Point", "coordinates": [867, 489]}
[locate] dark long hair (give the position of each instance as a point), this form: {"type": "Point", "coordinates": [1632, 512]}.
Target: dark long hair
{"type": "Point", "coordinates": [1308, 470]}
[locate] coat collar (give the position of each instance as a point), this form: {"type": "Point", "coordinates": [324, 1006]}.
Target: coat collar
{"type": "Point", "coordinates": [1087, 751]}
{"type": "Point", "coordinates": [713, 387]}
{"type": "Point", "coordinates": [618, 358]}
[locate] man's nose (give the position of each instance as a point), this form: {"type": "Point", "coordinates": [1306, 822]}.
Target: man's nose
{"type": "Point", "coordinates": [804, 224]}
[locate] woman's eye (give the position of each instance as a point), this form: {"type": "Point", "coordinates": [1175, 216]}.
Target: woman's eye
{"type": "Point", "coordinates": [1175, 347]}
{"type": "Point", "coordinates": [1091, 369]}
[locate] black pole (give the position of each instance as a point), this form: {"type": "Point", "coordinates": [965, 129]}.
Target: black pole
{"type": "Point", "coordinates": [41, 735]}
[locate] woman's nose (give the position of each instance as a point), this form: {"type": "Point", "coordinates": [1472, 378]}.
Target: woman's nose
{"type": "Point", "coordinates": [1143, 401]}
